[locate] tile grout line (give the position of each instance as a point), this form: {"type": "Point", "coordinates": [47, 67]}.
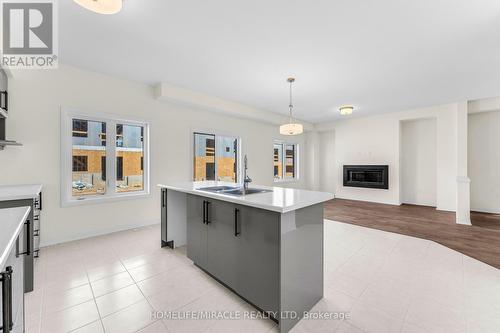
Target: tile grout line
{"type": "Point", "coordinates": [133, 283]}
{"type": "Point", "coordinates": [95, 301]}
{"type": "Point", "coordinates": [142, 293]}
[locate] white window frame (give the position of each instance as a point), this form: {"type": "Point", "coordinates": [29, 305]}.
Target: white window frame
{"type": "Point", "coordinates": [67, 199]}
{"type": "Point", "coordinates": [296, 160]}
{"type": "Point", "coordinates": [191, 143]}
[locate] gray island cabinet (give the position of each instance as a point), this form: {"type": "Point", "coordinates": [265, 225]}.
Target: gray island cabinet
{"type": "Point", "coordinates": [26, 196]}
{"type": "Point", "coordinates": [265, 247]}
{"type": "Point", "coordinates": [14, 247]}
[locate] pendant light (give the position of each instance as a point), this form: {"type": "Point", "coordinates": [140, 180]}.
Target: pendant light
{"type": "Point", "coordinates": [101, 6]}
{"type": "Point", "coordinates": [291, 128]}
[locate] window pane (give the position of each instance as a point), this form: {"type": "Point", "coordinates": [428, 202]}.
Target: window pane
{"type": "Point", "coordinates": [88, 152]}
{"type": "Point", "coordinates": [278, 161]}
{"type": "Point", "coordinates": [290, 161]}
{"type": "Point", "coordinates": [226, 158]}
{"type": "Point", "coordinates": [129, 156]}
{"type": "Point", "coordinates": [204, 157]}
{"type": "Point", "coordinates": [80, 128]}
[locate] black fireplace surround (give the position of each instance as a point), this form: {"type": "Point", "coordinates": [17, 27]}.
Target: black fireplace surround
{"type": "Point", "coordinates": [367, 176]}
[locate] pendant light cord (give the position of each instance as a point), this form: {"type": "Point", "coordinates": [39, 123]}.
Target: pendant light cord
{"type": "Point", "coordinates": [290, 106]}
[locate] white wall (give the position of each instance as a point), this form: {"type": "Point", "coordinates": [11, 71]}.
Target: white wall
{"type": "Point", "coordinates": [418, 162]}
{"type": "Point", "coordinates": [327, 170]}
{"type": "Point", "coordinates": [367, 141]}
{"type": "Point", "coordinates": [312, 160]}
{"type": "Point", "coordinates": [484, 161]}
{"type": "Point", "coordinates": [376, 140]}
{"type": "Point", "coordinates": [35, 100]}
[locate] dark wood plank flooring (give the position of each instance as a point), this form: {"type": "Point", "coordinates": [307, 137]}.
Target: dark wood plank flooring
{"type": "Point", "coordinates": [480, 241]}
{"type": "Point", "coordinates": [484, 220]}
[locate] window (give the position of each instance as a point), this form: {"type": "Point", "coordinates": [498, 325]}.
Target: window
{"type": "Point", "coordinates": [129, 158]}
{"type": "Point", "coordinates": [80, 128]}
{"type": "Point", "coordinates": [285, 161]}
{"type": "Point", "coordinates": [119, 135]}
{"type": "Point", "coordinates": [119, 168]}
{"type": "Point", "coordinates": [278, 161]}
{"type": "Point", "coordinates": [80, 163]}
{"type": "Point", "coordinates": [289, 161]}
{"type": "Point", "coordinates": [102, 135]}
{"type": "Point", "coordinates": [215, 157]}
{"type": "Point", "coordinates": [94, 168]}
{"type": "Point", "coordinates": [87, 151]}
{"type": "Point", "coordinates": [103, 167]}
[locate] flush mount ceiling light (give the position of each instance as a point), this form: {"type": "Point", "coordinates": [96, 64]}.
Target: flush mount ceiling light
{"type": "Point", "coordinates": [346, 110]}
{"type": "Point", "coordinates": [101, 6]}
{"type": "Point", "coordinates": [291, 128]}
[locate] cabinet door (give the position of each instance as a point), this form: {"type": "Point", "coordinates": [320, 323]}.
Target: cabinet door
{"type": "Point", "coordinates": [258, 264]}
{"type": "Point", "coordinates": [196, 231]}
{"type": "Point", "coordinates": [15, 261]}
{"type": "Point", "coordinates": [222, 244]}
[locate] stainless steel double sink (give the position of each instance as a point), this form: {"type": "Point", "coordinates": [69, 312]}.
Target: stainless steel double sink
{"type": "Point", "coordinates": [233, 190]}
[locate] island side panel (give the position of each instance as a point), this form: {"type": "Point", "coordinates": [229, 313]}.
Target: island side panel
{"type": "Point", "coordinates": [301, 255]}
{"type": "Point", "coordinates": [173, 218]}
{"type": "Point", "coordinates": [29, 274]}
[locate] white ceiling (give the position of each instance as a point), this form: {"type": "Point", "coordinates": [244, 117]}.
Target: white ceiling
{"type": "Point", "coordinates": [379, 55]}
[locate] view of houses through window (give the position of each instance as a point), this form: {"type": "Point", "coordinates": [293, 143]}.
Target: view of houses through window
{"type": "Point", "coordinates": [129, 156]}
{"type": "Point", "coordinates": [88, 153]}
{"type": "Point", "coordinates": [215, 157]}
{"type": "Point", "coordinates": [285, 160]}
{"type": "Point", "coordinates": [89, 157]}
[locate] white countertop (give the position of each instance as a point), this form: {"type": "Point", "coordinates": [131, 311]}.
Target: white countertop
{"type": "Point", "coordinates": [19, 192]}
{"type": "Point", "coordinates": [11, 223]}
{"type": "Point", "coordinates": [280, 200]}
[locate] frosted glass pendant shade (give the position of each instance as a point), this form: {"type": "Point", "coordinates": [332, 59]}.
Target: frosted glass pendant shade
{"type": "Point", "coordinates": [291, 129]}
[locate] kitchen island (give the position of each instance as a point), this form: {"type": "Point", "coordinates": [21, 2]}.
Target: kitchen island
{"type": "Point", "coordinates": [14, 245]}
{"type": "Point", "coordinates": [26, 196]}
{"type": "Point", "coordinates": [267, 246]}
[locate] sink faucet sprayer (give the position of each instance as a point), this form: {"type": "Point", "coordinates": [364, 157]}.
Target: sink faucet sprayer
{"type": "Point", "coordinates": [246, 179]}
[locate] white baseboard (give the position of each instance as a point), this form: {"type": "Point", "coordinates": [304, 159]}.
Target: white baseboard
{"type": "Point", "coordinates": [372, 201]}
{"type": "Point", "coordinates": [99, 233]}
{"type": "Point", "coordinates": [487, 211]}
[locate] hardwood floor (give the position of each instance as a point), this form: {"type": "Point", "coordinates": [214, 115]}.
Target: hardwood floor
{"type": "Point", "coordinates": [490, 221]}
{"type": "Point", "coordinates": [480, 241]}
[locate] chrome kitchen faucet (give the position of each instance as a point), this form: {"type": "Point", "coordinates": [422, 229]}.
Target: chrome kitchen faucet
{"type": "Point", "coordinates": [246, 179]}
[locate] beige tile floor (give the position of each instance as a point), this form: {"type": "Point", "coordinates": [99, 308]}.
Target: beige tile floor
{"type": "Point", "coordinates": [386, 282]}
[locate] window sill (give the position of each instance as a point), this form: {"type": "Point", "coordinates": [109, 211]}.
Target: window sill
{"type": "Point", "coordinates": [97, 199]}
{"type": "Point", "coordinates": [286, 180]}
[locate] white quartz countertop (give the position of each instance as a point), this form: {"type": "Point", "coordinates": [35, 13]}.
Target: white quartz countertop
{"type": "Point", "coordinates": [11, 223]}
{"type": "Point", "coordinates": [19, 192]}
{"type": "Point", "coordinates": [280, 199]}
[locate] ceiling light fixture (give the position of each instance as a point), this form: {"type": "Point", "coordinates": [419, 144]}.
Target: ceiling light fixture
{"type": "Point", "coordinates": [346, 110]}
{"type": "Point", "coordinates": [291, 128]}
{"type": "Point", "coordinates": [101, 6]}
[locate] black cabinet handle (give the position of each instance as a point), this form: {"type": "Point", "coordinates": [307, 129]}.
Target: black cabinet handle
{"type": "Point", "coordinates": [4, 100]}
{"type": "Point", "coordinates": [6, 279]}
{"type": "Point", "coordinates": [28, 238]}
{"type": "Point", "coordinates": [204, 212]}
{"type": "Point", "coordinates": [163, 198]}
{"type": "Point", "coordinates": [236, 213]}
{"type": "Point", "coordinates": [208, 212]}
